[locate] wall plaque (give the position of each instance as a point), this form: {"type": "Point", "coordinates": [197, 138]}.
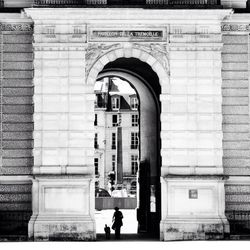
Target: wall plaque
{"type": "Point", "coordinates": [126, 34]}
{"type": "Point", "coordinates": [193, 194]}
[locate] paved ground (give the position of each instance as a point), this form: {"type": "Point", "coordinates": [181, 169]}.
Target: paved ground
{"type": "Point", "coordinates": [105, 217]}
{"type": "Point", "coordinates": [128, 230]}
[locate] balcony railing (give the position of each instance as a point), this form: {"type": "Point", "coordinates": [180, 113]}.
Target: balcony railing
{"type": "Point", "coordinates": [127, 3]}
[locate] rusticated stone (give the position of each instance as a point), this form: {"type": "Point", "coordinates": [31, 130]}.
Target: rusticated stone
{"type": "Point", "coordinates": [15, 188]}
{"type": "Point", "coordinates": [17, 57]}
{"type": "Point", "coordinates": [15, 127]}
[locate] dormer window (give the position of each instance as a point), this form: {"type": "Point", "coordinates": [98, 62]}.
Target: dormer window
{"type": "Point", "coordinates": [115, 102]}
{"type": "Point", "coordinates": [134, 103]}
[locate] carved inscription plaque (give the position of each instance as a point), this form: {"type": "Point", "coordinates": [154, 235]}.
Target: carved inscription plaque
{"type": "Point", "coordinates": [126, 34]}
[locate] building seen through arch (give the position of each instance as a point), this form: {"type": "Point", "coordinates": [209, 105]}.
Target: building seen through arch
{"type": "Point", "coordinates": [180, 136]}
{"type": "Point", "coordinates": [116, 137]}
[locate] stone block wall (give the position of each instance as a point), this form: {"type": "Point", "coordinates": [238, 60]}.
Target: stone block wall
{"type": "Point", "coordinates": [235, 109]}
{"type": "Point", "coordinates": [16, 123]}
{"type": "Point", "coordinates": [235, 106]}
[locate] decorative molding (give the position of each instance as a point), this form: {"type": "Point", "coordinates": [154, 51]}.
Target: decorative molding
{"type": "Point", "coordinates": [235, 27]}
{"type": "Point", "coordinates": [16, 27]}
{"type": "Point", "coordinates": [158, 51]}
{"type": "Point", "coordinates": [95, 51]}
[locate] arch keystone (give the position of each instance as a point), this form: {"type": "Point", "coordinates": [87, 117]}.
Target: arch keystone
{"type": "Point", "coordinates": [128, 53]}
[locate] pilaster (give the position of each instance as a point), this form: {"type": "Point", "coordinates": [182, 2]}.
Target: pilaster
{"type": "Point", "coordinates": [191, 122]}
{"type": "Point", "coordinates": [63, 185]}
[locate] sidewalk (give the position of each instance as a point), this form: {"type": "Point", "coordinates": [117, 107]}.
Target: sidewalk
{"type": "Point", "coordinates": [105, 217]}
{"type": "Point", "coordinates": [128, 230]}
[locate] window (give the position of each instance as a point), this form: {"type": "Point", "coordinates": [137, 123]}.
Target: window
{"type": "Point", "coordinates": [96, 140]}
{"type": "Point", "coordinates": [134, 140]}
{"type": "Point", "coordinates": [134, 103]}
{"type": "Point", "coordinates": [134, 119]}
{"type": "Point", "coordinates": [95, 122]}
{"type": "Point", "coordinates": [113, 145]}
{"type": "Point", "coordinates": [134, 164]}
{"type": "Point", "coordinates": [100, 101]}
{"type": "Point", "coordinates": [96, 163]}
{"type": "Point", "coordinates": [115, 102]}
{"type": "Point", "coordinates": [114, 121]}
{"type": "Point", "coordinates": [113, 162]}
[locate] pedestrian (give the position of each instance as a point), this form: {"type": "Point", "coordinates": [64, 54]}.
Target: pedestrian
{"type": "Point", "coordinates": [117, 222]}
{"type": "Point", "coordinates": [107, 232]}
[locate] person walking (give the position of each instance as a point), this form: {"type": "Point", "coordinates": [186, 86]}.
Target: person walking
{"type": "Point", "coordinates": [117, 222]}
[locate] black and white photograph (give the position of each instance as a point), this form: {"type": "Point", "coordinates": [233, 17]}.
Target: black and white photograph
{"type": "Point", "coordinates": [124, 121]}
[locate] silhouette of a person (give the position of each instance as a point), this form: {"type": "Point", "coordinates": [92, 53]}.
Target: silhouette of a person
{"type": "Point", "coordinates": [107, 232]}
{"type": "Point", "coordinates": [117, 222]}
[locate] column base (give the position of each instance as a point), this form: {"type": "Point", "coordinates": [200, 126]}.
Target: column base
{"type": "Point", "coordinates": [63, 208]}
{"type": "Point", "coordinates": [173, 229]}
{"type": "Point", "coordinates": [45, 228]}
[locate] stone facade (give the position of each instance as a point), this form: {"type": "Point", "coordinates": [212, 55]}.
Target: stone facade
{"type": "Point", "coordinates": [16, 122]}
{"type": "Point", "coordinates": [203, 71]}
{"type": "Point", "coordinates": [235, 108]}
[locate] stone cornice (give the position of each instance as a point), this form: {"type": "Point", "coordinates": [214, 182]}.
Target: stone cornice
{"type": "Point", "coordinates": [130, 15]}
{"type": "Point", "coordinates": [239, 23]}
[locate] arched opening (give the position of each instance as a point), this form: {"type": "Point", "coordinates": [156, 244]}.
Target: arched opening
{"type": "Point", "coordinates": [146, 186]}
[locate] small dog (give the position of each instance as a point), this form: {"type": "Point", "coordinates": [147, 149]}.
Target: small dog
{"type": "Point", "coordinates": [107, 232]}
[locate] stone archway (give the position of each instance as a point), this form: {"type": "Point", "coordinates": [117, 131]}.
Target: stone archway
{"type": "Point", "coordinates": [147, 218]}
{"type": "Point", "coordinates": [148, 197]}
{"type": "Point", "coordinates": [154, 55]}
{"type": "Point", "coordinates": [191, 117]}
